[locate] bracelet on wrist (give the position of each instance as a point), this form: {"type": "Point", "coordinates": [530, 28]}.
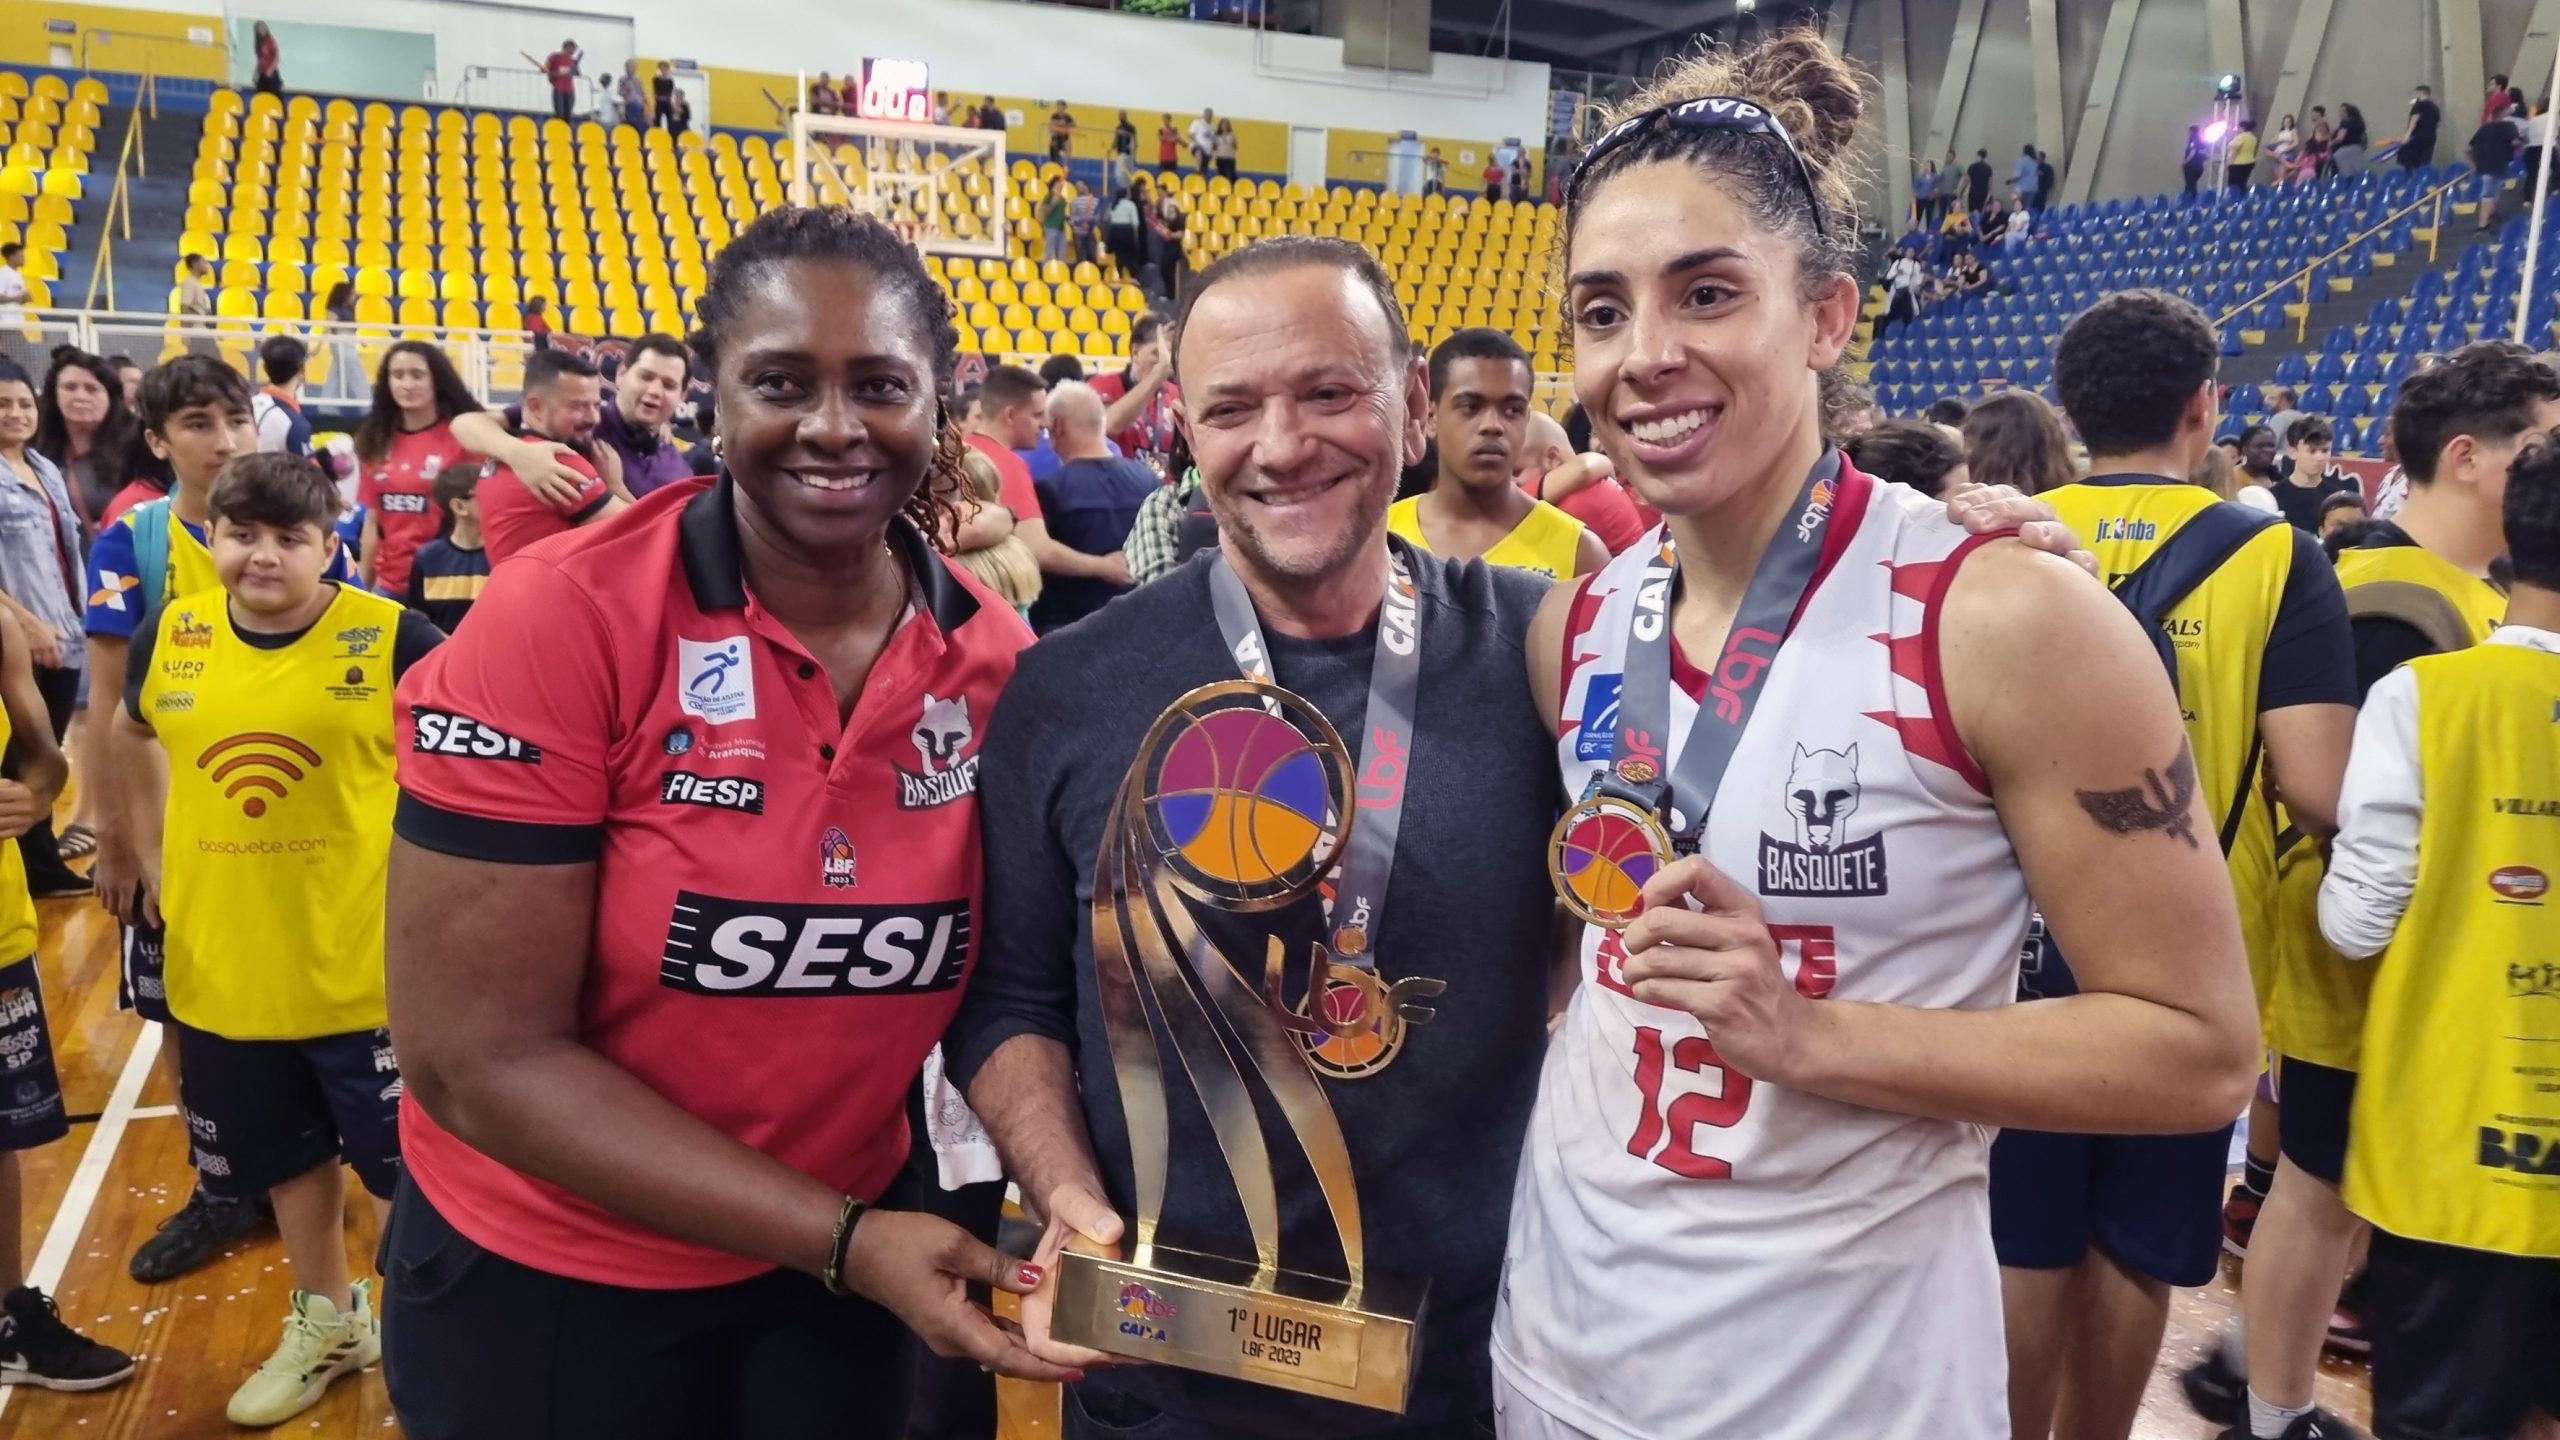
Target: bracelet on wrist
{"type": "Point", "coordinates": [833, 1275]}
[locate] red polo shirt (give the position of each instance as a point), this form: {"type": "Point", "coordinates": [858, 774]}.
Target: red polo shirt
{"type": "Point", "coordinates": [784, 902]}
{"type": "Point", "coordinates": [512, 517]}
{"type": "Point", "coordinates": [1013, 478]}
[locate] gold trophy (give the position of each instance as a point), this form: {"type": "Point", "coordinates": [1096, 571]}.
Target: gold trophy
{"type": "Point", "coordinates": [1240, 799]}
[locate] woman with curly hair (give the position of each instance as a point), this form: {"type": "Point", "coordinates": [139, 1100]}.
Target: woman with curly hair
{"type": "Point", "coordinates": [657, 1066]}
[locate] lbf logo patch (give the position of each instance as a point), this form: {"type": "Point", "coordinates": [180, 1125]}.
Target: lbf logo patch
{"type": "Point", "coordinates": [716, 679]}
{"type": "Point", "coordinates": [836, 859]}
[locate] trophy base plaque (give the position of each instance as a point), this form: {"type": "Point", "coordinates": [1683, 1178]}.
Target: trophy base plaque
{"type": "Point", "coordinates": [1203, 1312]}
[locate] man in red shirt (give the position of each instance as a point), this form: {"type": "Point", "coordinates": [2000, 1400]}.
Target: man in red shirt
{"type": "Point", "coordinates": [1142, 399]}
{"type": "Point", "coordinates": [561, 66]}
{"type": "Point", "coordinates": [563, 400]}
{"type": "Point", "coordinates": [1011, 409]}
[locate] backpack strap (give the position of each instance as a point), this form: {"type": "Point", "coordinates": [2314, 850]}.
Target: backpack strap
{"type": "Point", "coordinates": [2183, 562]}
{"type": "Point", "coordinates": [151, 551]}
{"type": "Point", "coordinates": [2417, 606]}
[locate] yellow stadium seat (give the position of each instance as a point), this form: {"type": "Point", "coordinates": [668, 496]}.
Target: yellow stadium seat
{"type": "Point", "coordinates": [504, 316]}
{"type": "Point", "coordinates": [586, 320]}
{"type": "Point", "coordinates": [581, 294]}
{"type": "Point", "coordinates": [417, 311]}
{"type": "Point", "coordinates": [500, 290]}
{"type": "Point", "coordinates": [458, 287]}
{"type": "Point", "coordinates": [461, 315]}
{"type": "Point", "coordinates": [373, 280]}
{"type": "Point", "coordinates": [242, 273]}
{"type": "Point", "coordinates": [235, 303]}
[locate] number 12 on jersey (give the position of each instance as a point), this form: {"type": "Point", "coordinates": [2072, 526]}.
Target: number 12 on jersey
{"type": "Point", "coordinates": [1816, 971]}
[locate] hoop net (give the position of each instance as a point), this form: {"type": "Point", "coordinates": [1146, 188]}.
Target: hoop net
{"type": "Point", "coordinates": [941, 187]}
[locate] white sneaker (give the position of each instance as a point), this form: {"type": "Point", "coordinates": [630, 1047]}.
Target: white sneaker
{"type": "Point", "coordinates": [319, 1345]}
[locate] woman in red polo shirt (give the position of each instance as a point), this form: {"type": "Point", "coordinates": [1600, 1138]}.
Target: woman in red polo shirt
{"type": "Point", "coordinates": [402, 444]}
{"type": "Point", "coordinates": [686, 872]}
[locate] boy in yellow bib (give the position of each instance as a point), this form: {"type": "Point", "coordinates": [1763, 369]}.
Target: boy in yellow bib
{"type": "Point", "coordinates": [1480, 390]}
{"type": "Point", "coordinates": [272, 698]}
{"type": "Point", "coordinates": [2449, 838]}
{"type": "Point", "coordinates": [2418, 585]}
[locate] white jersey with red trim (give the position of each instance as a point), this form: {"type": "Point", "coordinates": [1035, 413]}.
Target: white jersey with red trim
{"type": "Point", "coordinates": [1694, 1254]}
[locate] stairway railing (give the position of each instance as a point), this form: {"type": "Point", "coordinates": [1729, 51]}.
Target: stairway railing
{"type": "Point", "coordinates": [129, 162]}
{"type": "Point", "coordinates": [2301, 279]}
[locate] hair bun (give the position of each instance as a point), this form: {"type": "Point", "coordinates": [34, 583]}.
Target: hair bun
{"type": "Point", "coordinates": [1818, 93]}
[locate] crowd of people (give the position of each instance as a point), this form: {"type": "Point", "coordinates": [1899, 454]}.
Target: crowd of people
{"type": "Point", "coordinates": [1893, 1095]}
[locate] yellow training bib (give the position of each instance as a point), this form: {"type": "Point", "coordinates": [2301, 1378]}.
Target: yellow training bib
{"type": "Point", "coordinates": [2457, 1117]}
{"type": "Point", "coordinates": [17, 905]}
{"type": "Point", "coordinates": [2219, 632]}
{"type": "Point", "coordinates": [1542, 544]}
{"type": "Point", "coordinates": [279, 820]}
{"type": "Point", "coordinates": [2317, 1012]}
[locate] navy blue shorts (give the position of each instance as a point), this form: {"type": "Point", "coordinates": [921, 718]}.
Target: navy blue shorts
{"type": "Point", "coordinates": [264, 1111]}
{"type": "Point", "coordinates": [145, 987]}
{"type": "Point", "coordinates": [2154, 1202]}
{"type": "Point", "coordinates": [2315, 1102]}
{"type": "Point", "coordinates": [31, 1112]}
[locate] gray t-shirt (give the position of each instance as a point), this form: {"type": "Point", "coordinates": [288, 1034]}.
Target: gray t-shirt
{"type": "Point", "coordinates": [1434, 1137]}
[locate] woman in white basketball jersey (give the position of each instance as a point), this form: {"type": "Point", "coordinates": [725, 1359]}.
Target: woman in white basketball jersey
{"type": "Point", "coordinates": [1823, 745]}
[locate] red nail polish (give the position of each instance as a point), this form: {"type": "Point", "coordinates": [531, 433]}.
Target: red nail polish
{"type": "Point", "coordinates": [1029, 1275]}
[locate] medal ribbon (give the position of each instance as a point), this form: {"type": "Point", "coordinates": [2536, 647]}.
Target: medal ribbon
{"type": "Point", "coordinates": [1760, 627]}
{"type": "Point", "coordinates": [1360, 881]}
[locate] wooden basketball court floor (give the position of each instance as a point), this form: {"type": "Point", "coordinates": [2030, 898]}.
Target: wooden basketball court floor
{"type": "Point", "coordinates": [92, 1197]}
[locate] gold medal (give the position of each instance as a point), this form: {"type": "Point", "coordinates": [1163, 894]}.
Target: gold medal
{"type": "Point", "coordinates": [1600, 856]}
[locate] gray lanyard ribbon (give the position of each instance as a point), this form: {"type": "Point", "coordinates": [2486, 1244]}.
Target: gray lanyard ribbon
{"type": "Point", "coordinates": [1760, 626]}
{"type": "Point", "coordinates": [1360, 884]}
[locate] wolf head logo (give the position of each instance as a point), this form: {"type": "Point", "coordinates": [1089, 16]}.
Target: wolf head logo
{"type": "Point", "coordinates": [942, 732]}
{"type": "Point", "coordinates": [1822, 793]}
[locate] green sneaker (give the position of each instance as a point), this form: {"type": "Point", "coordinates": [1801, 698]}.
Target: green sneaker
{"type": "Point", "coordinates": [319, 1346]}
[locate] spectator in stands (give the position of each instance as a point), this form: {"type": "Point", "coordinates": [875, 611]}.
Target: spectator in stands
{"type": "Point", "coordinates": [537, 321]}
{"type": "Point", "coordinates": [561, 67]}
{"type": "Point", "coordinates": [129, 375]}
{"type": "Point", "coordinates": [2014, 438]}
{"type": "Point", "coordinates": [1089, 504]}
{"type": "Point", "coordinates": [1204, 140]}
{"type": "Point", "coordinates": [1053, 221]}
{"type": "Point", "coordinates": [2305, 479]}
{"type": "Point", "coordinates": [2192, 161]}
{"type": "Point", "coordinates": [1910, 452]}
{"type": "Point", "coordinates": [1011, 406]}
{"type": "Point", "coordinates": [1084, 216]}
{"type": "Point", "coordinates": [1977, 181]}
{"type": "Point", "coordinates": [270, 72]}
{"type": "Point", "coordinates": [2020, 227]}
{"type": "Point", "coordinates": [1924, 196]}
{"type": "Point", "coordinates": [1062, 132]}
{"type": "Point", "coordinates": [1143, 401]}
{"type": "Point", "coordinates": [679, 114]}
{"type": "Point", "coordinates": [1168, 147]}
{"type": "Point", "coordinates": [1224, 144]}
{"type": "Point", "coordinates": [1496, 174]}
{"type": "Point", "coordinates": [941, 107]}
{"type": "Point", "coordinates": [635, 98]}
{"type": "Point", "coordinates": [2534, 134]}
{"type": "Point", "coordinates": [2283, 410]}
{"type": "Point", "coordinates": [2418, 146]}
{"type": "Point", "coordinates": [2286, 144]}
{"type": "Point", "coordinates": [1966, 276]}
{"type": "Point", "coordinates": [2044, 180]}
{"type": "Point", "coordinates": [2241, 161]}
{"type": "Point", "coordinates": [662, 92]}
{"type": "Point", "coordinates": [2492, 153]}
{"type": "Point", "coordinates": [1124, 153]}
{"type": "Point", "coordinates": [277, 407]}
{"type": "Point", "coordinates": [563, 404]}
{"type": "Point", "coordinates": [41, 582]}
{"type": "Point", "coordinates": [1991, 227]}
{"type": "Point", "coordinates": [408, 438]}
{"type": "Point", "coordinates": [1519, 190]}
{"type": "Point", "coordinates": [193, 296]}
{"type": "Point", "coordinates": [1906, 281]}
{"type": "Point", "coordinates": [1124, 228]}
{"type": "Point", "coordinates": [1481, 386]}
{"type": "Point", "coordinates": [2339, 511]}
{"type": "Point", "coordinates": [1955, 239]}
{"type": "Point", "coordinates": [1435, 173]}
{"type": "Point", "coordinates": [84, 426]}
{"type": "Point", "coordinates": [823, 97]}
{"type": "Point", "coordinates": [990, 115]}
{"type": "Point", "coordinates": [2392, 490]}
{"type": "Point", "coordinates": [2347, 151]}
{"type": "Point", "coordinates": [2022, 175]}
{"type": "Point", "coordinates": [2501, 99]}
{"type": "Point", "coordinates": [605, 107]}
{"type": "Point", "coordinates": [1585, 486]}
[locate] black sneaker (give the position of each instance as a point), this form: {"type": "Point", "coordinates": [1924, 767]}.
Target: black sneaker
{"type": "Point", "coordinates": [191, 1238]}
{"type": "Point", "coordinates": [2217, 1389]}
{"type": "Point", "coordinates": [36, 1348]}
{"type": "Point", "coordinates": [2316, 1424]}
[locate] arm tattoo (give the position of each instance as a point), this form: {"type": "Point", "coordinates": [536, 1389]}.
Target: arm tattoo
{"type": "Point", "coordinates": [2158, 803]}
